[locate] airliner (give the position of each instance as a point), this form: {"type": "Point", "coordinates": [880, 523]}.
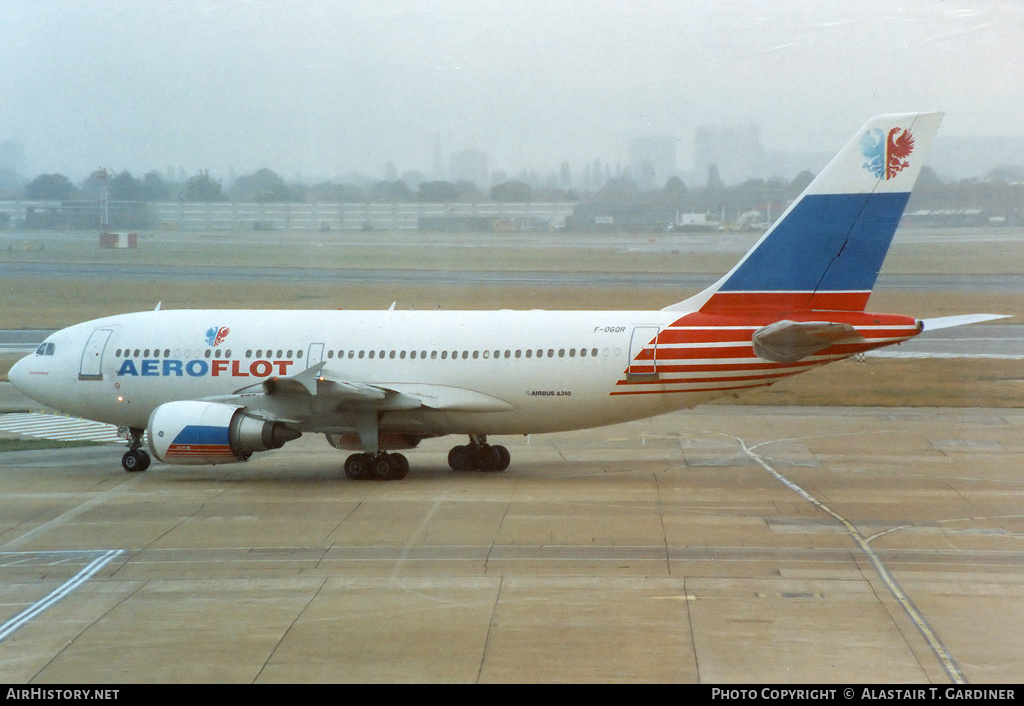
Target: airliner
{"type": "Point", "coordinates": [216, 386]}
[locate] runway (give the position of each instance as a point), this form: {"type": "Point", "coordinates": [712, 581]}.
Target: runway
{"type": "Point", "coordinates": [705, 546]}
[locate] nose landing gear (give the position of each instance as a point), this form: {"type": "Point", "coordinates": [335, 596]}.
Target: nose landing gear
{"type": "Point", "coordinates": [135, 460]}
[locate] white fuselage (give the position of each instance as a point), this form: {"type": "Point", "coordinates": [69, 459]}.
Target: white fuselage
{"type": "Point", "coordinates": [555, 370]}
{"type": "Point", "coordinates": [215, 385]}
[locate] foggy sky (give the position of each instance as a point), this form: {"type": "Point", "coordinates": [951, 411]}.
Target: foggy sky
{"type": "Point", "coordinates": [322, 88]}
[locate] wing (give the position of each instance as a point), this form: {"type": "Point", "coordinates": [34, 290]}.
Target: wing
{"type": "Point", "coordinates": [318, 399]}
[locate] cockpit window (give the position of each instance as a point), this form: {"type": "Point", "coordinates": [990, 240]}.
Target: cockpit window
{"type": "Point", "coordinates": [45, 349]}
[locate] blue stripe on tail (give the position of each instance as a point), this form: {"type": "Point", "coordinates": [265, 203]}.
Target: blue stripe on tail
{"type": "Point", "coordinates": [827, 243]}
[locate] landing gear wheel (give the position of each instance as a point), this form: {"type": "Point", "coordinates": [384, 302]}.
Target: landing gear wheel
{"type": "Point", "coordinates": [479, 457]}
{"type": "Point", "coordinates": [380, 466]}
{"type": "Point", "coordinates": [505, 458]}
{"type": "Point", "coordinates": [357, 467]}
{"type": "Point", "coordinates": [487, 458]}
{"type": "Point", "coordinates": [399, 466]}
{"type": "Point", "coordinates": [460, 459]}
{"type": "Point", "coordinates": [135, 461]}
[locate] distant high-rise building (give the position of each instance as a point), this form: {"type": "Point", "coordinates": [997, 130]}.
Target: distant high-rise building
{"type": "Point", "coordinates": [593, 175]}
{"type": "Point", "coordinates": [652, 160]}
{"type": "Point", "coordinates": [735, 150]}
{"type": "Point", "coordinates": [565, 176]}
{"type": "Point", "coordinates": [469, 165]}
{"type": "Point", "coordinates": [437, 172]}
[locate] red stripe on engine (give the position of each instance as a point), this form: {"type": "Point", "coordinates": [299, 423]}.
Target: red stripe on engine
{"type": "Point", "coordinates": [199, 450]}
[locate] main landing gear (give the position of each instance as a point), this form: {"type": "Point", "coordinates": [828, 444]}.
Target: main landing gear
{"type": "Point", "coordinates": [379, 466]}
{"type": "Point", "coordinates": [135, 459]}
{"type": "Point", "coordinates": [376, 464]}
{"type": "Point", "coordinates": [478, 455]}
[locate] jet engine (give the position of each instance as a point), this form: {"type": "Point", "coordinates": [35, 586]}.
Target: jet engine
{"type": "Point", "coordinates": [203, 433]}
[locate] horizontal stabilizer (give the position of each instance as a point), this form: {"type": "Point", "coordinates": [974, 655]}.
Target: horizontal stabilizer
{"type": "Point", "coordinates": [789, 341]}
{"type": "Point", "coordinates": [961, 320]}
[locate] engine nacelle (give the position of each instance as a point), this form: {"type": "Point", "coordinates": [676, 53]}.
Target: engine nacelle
{"type": "Point", "coordinates": [204, 433]}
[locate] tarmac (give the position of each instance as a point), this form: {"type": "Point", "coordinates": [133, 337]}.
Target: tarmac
{"type": "Point", "coordinates": [731, 544]}
{"type": "Point", "coordinates": [728, 544]}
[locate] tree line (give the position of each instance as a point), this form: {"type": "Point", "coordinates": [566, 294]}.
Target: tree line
{"type": "Point", "coordinates": [1000, 192]}
{"type": "Point", "coordinates": [265, 185]}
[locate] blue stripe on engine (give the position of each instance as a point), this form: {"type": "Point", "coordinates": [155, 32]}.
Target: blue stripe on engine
{"type": "Point", "coordinates": [195, 434]}
{"type": "Point", "coordinates": [828, 242]}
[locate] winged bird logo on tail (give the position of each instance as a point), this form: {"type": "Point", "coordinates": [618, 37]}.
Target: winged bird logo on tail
{"type": "Point", "coordinates": [886, 156]}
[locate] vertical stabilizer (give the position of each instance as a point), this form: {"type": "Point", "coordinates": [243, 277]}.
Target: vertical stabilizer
{"type": "Point", "coordinates": [826, 250]}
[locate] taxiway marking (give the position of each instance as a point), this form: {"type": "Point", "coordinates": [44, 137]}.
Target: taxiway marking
{"type": "Point", "coordinates": [58, 427]}
{"type": "Point", "coordinates": [948, 663]}
{"type": "Point", "coordinates": [8, 628]}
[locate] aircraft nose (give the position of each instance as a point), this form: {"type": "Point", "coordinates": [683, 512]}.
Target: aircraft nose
{"type": "Point", "coordinates": [18, 376]}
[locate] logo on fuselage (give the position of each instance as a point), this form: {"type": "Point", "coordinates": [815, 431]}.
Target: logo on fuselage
{"type": "Point", "coordinates": [215, 336]}
{"type": "Point", "coordinates": [886, 155]}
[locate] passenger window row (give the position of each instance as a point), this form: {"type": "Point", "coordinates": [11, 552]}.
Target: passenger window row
{"type": "Point", "coordinates": [281, 353]}
{"type": "Point", "coordinates": [143, 352]}
{"type": "Point", "coordinates": [47, 349]}
{"type": "Point", "coordinates": [465, 355]}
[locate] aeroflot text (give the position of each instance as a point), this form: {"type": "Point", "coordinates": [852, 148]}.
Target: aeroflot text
{"type": "Point", "coordinates": [169, 367]}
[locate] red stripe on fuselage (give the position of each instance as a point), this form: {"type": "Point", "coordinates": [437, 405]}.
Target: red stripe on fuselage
{"type": "Point", "coordinates": [721, 302]}
{"type": "Point", "coordinates": [689, 336]}
{"type": "Point", "coordinates": [720, 342]}
{"type": "Point", "coordinates": [744, 349]}
{"type": "Point", "coordinates": [738, 320]}
{"type": "Point", "coordinates": [724, 388]}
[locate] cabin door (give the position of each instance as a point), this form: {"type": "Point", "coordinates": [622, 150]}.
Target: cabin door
{"type": "Point", "coordinates": [316, 354]}
{"type": "Point", "coordinates": [643, 351]}
{"type": "Point", "coordinates": [92, 356]}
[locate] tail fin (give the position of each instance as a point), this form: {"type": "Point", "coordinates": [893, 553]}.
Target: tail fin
{"type": "Point", "coordinates": [826, 250]}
